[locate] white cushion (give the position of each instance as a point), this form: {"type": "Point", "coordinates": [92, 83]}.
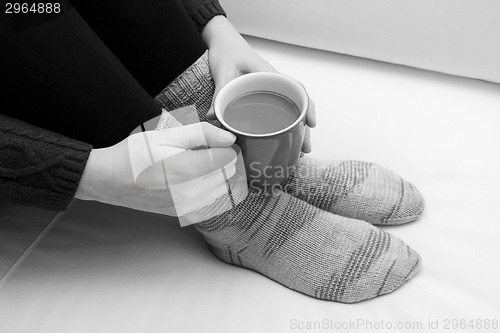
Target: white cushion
{"type": "Point", "coordinates": [460, 37]}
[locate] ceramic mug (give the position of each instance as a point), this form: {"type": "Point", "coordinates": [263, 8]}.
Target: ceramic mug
{"type": "Point", "coordinates": [269, 158]}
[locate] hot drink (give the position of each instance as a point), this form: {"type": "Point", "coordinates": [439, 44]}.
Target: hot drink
{"type": "Point", "coordinates": [261, 112]}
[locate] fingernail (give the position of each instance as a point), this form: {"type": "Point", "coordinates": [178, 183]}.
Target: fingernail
{"type": "Point", "coordinates": [211, 114]}
{"type": "Point", "coordinates": [227, 136]}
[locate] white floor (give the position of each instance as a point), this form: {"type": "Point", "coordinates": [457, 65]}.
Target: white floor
{"type": "Point", "coordinates": [106, 269]}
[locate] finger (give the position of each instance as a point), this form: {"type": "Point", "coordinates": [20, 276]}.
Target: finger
{"type": "Point", "coordinates": [221, 78]}
{"type": "Point", "coordinates": [196, 136]}
{"type": "Point", "coordinates": [189, 204]}
{"type": "Point", "coordinates": [217, 137]}
{"type": "Point", "coordinates": [225, 173]}
{"type": "Point", "coordinates": [148, 148]}
{"type": "Point", "coordinates": [186, 197]}
{"type": "Point", "coordinates": [193, 164]}
{"type": "Point", "coordinates": [306, 146]}
{"type": "Point", "coordinates": [200, 189]}
{"type": "Point", "coordinates": [311, 114]}
{"type": "Point", "coordinates": [261, 66]}
{"type": "Point", "coordinates": [311, 110]}
{"type": "Point", "coordinates": [150, 200]}
{"type": "Point", "coordinates": [186, 166]}
{"type": "Point", "coordinates": [144, 150]}
{"type": "Point", "coordinates": [211, 113]}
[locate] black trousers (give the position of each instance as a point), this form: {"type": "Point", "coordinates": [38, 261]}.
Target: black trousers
{"type": "Point", "coordinates": [90, 72]}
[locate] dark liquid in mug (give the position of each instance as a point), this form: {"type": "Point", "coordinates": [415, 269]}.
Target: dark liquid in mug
{"type": "Point", "coordinates": [261, 112]}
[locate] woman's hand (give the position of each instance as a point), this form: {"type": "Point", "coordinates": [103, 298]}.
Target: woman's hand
{"type": "Point", "coordinates": [231, 56]}
{"type": "Point", "coordinates": [173, 171]}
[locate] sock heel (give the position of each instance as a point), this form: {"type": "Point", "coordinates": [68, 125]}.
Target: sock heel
{"type": "Point", "coordinates": [222, 253]}
{"type": "Point", "coordinates": [230, 256]}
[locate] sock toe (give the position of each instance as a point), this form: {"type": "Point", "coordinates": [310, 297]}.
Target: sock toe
{"type": "Point", "coordinates": [382, 265]}
{"type": "Point", "coordinates": [356, 189]}
{"type": "Point", "coordinates": [381, 197]}
{"type": "Point", "coordinates": [408, 205]}
{"type": "Point", "coordinates": [402, 268]}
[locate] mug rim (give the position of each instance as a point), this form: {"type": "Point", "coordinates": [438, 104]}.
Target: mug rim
{"type": "Point", "coordinates": [303, 112]}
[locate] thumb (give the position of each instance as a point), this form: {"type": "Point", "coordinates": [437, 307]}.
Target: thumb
{"type": "Point", "coordinates": [220, 80]}
{"type": "Point", "coordinates": [198, 135]}
{"type": "Point", "coordinates": [261, 66]}
{"type": "Point", "coordinates": [223, 78]}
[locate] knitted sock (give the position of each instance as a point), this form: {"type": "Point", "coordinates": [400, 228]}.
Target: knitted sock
{"type": "Point", "coordinates": [306, 249]}
{"type": "Point", "coordinates": [354, 189]}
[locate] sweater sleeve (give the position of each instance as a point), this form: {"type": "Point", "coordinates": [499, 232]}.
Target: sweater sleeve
{"type": "Point", "coordinates": [202, 11]}
{"type": "Point", "coordinates": [38, 167]}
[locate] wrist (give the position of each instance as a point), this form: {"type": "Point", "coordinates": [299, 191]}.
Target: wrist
{"type": "Point", "coordinates": [217, 30]}
{"type": "Point", "coordinates": [88, 187]}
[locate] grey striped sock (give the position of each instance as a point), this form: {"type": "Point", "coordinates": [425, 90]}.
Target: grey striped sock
{"type": "Point", "coordinates": [355, 189]}
{"type": "Point", "coordinates": [309, 250]}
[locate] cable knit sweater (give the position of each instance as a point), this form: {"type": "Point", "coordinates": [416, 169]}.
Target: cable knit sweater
{"type": "Point", "coordinates": [41, 168]}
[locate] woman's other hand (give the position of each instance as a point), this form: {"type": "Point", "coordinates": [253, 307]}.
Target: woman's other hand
{"type": "Point", "coordinates": [231, 56]}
